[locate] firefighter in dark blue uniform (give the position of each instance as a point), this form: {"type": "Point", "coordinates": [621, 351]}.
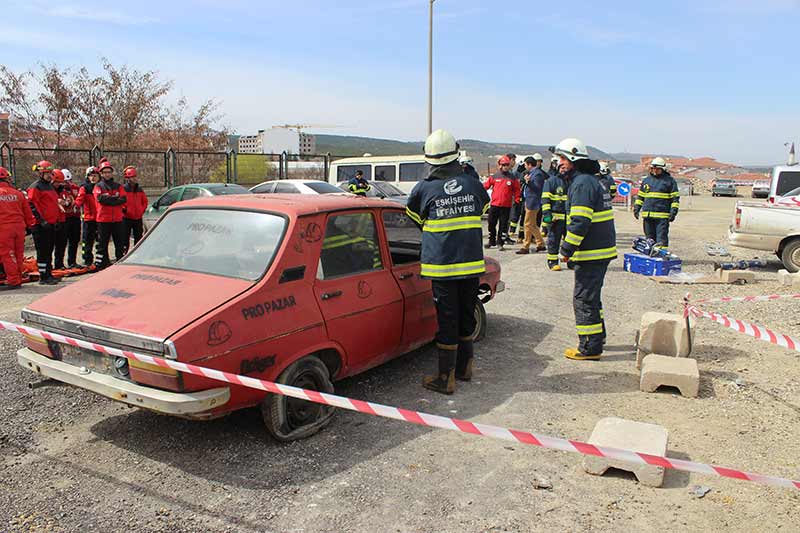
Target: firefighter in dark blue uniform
{"type": "Point", "coordinates": [448, 205]}
{"type": "Point", "coordinates": [554, 216]}
{"type": "Point", "coordinates": [590, 244]}
{"type": "Point", "coordinates": [658, 202]}
{"type": "Point", "coordinates": [358, 185]}
{"type": "Point", "coordinates": [607, 180]}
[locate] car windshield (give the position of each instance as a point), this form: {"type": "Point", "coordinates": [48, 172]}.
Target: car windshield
{"type": "Point", "coordinates": [221, 242]}
{"type": "Point", "coordinates": [322, 187]}
{"type": "Point", "coordinates": [387, 189]}
{"type": "Point", "coordinates": [228, 189]}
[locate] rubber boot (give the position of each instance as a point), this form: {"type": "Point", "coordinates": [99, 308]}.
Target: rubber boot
{"type": "Point", "coordinates": [466, 354]}
{"type": "Point", "coordinates": [554, 266]}
{"type": "Point", "coordinates": [445, 381]}
{"type": "Point", "coordinates": [577, 355]}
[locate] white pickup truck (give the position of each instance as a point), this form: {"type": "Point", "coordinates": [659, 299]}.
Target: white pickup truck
{"type": "Point", "coordinates": [764, 226]}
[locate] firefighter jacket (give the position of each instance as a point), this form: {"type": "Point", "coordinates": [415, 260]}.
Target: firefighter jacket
{"type": "Point", "coordinates": [505, 189]}
{"type": "Point", "coordinates": [43, 200]}
{"type": "Point", "coordinates": [137, 201]}
{"type": "Point", "coordinates": [608, 183]}
{"type": "Point", "coordinates": [86, 200]}
{"type": "Point", "coordinates": [448, 206]}
{"type": "Point", "coordinates": [590, 221]}
{"type": "Point", "coordinates": [66, 202]}
{"type": "Point", "coordinates": [554, 199]}
{"type": "Point", "coordinates": [534, 188]}
{"type": "Point", "coordinates": [14, 208]}
{"type": "Point", "coordinates": [358, 186]}
{"type": "Point", "coordinates": [109, 197]}
{"type": "Point", "coordinates": [469, 170]}
{"type": "Point", "coordinates": [658, 197]}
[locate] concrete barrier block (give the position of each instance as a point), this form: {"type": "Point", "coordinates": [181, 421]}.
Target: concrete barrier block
{"type": "Point", "coordinates": [628, 435]}
{"type": "Point", "coordinates": [663, 333]}
{"type": "Point", "coordinates": [679, 372]}
{"type": "Point", "coordinates": [737, 276]}
{"type": "Point", "coordinates": [787, 278]}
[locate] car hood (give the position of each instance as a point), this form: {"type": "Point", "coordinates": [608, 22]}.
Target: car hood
{"type": "Point", "coordinates": [153, 302]}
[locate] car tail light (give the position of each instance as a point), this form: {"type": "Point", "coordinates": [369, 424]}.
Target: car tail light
{"type": "Point", "coordinates": [155, 376]}
{"type": "Point", "coordinates": [772, 199]}
{"type": "Point", "coordinates": [738, 217]}
{"type": "Point", "coordinates": [39, 346]}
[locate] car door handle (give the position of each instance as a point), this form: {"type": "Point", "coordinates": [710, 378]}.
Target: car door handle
{"type": "Point", "coordinates": [406, 275]}
{"type": "Point", "coordinates": [329, 295]}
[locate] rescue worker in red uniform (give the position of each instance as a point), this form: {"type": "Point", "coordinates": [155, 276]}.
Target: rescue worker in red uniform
{"type": "Point", "coordinates": [134, 208]}
{"type": "Point", "coordinates": [15, 218]}
{"type": "Point", "coordinates": [110, 198]}
{"type": "Point", "coordinates": [86, 202]}
{"type": "Point", "coordinates": [448, 205]}
{"type": "Point", "coordinates": [505, 192]}
{"type": "Point", "coordinates": [73, 222]}
{"type": "Point", "coordinates": [65, 202]}
{"type": "Point", "coordinates": [43, 201]}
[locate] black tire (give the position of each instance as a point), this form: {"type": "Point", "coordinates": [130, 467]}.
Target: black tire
{"type": "Point", "coordinates": [480, 326]}
{"type": "Point", "coordinates": [790, 256]}
{"type": "Point", "coordinates": [289, 419]}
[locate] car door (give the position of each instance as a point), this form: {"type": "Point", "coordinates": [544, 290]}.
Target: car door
{"type": "Point", "coordinates": [356, 291]}
{"type": "Point", "coordinates": [158, 208]}
{"type": "Point", "coordinates": [404, 239]}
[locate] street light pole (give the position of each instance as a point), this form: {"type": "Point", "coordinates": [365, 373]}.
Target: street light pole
{"type": "Point", "coordinates": [430, 67]}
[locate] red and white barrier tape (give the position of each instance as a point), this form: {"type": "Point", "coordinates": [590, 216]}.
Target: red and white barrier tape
{"type": "Point", "coordinates": [417, 417]}
{"type": "Point", "coordinates": [764, 298]}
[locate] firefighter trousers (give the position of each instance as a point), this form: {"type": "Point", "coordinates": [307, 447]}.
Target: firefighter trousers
{"type": "Point", "coordinates": [517, 219]}
{"type": "Point", "coordinates": [133, 228]}
{"type": "Point", "coordinates": [658, 230]}
{"type": "Point", "coordinates": [12, 251]}
{"type": "Point", "coordinates": [555, 232]}
{"type": "Point", "coordinates": [455, 310]}
{"type": "Point", "coordinates": [44, 239]}
{"type": "Point", "coordinates": [73, 225]}
{"type": "Point", "coordinates": [107, 231]}
{"type": "Point", "coordinates": [89, 237]}
{"type": "Point", "coordinates": [498, 214]}
{"type": "Point", "coordinates": [586, 301]}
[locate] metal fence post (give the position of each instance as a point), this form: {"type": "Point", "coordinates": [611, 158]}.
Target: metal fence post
{"type": "Point", "coordinates": [326, 165]}
{"type": "Point", "coordinates": [172, 166]}
{"type": "Point", "coordinates": [94, 155]}
{"type": "Point", "coordinates": [283, 160]}
{"type": "Point", "coordinates": [236, 166]}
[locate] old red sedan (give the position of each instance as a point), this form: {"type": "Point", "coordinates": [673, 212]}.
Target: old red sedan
{"type": "Point", "coordinates": [299, 289]}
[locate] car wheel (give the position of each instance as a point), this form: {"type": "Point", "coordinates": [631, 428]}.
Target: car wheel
{"type": "Point", "coordinates": [480, 322]}
{"type": "Point", "coordinates": [790, 256]}
{"type": "Point", "coordinates": [288, 418]}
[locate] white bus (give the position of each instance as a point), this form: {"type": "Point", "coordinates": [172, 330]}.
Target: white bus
{"type": "Point", "coordinates": [403, 171]}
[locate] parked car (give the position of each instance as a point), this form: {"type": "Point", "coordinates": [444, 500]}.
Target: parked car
{"type": "Point", "coordinates": [784, 179]}
{"type": "Point", "coordinates": [300, 289]}
{"type": "Point", "coordinates": [760, 189]}
{"type": "Point", "coordinates": [187, 192]}
{"type": "Point", "coordinates": [724, 187]}
{"type": "Point", "coordinates": [763, 226]}
{"type": "Point", "coordinates": [294, 187]}
{"type": "Point", "coordinates": [791, 199]}
{"type": "Point", "coordinates": [379, 189]}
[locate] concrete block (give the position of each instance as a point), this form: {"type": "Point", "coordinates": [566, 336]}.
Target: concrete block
{"type": "Point", "coordinates": [787, 278]}
{"type": "Point", "coordinates": [628, 435]}
{"type": "Point", "coordinates": [680, 372]}
{"type": "Point", "coordinates": [737, 276]}
{"type": "Point", "coordinates": [663, 333]}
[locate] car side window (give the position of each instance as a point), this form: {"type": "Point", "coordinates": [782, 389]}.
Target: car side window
{"type": "Point", "coordinates": [265, 188]}
{"type": "Point", "coordinates": [286, 188]}
{"type": "Point", "coordinates": [169, 198]}
{"type": "Point", "coordinates": [350, 246]}
{"type": "Point", "coordinates": [404, 237]}
{"type": "Point", "coordinates": [191, 192]}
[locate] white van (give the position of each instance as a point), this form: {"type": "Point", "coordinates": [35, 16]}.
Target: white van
{"type": "Point", "coordinates": [403, 171]}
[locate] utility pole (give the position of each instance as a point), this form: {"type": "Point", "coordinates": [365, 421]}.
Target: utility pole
{"type": "Point", "coordinates": [430, 67]}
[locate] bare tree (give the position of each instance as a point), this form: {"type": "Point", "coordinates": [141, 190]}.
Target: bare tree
{"type": "Point", "coordinates": [17, 98]}
{"type": "Point", "coordinates": [56, 99]}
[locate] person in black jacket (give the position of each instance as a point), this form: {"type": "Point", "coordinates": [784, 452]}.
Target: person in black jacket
{"type": "Point", "coordinates": [658, 202]}
{"type": "Point", "coordinates": [358, 185]}
{"type": "Point", "coordinates": [448, 205]}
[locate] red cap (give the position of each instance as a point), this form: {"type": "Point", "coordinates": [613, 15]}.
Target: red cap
{"type": "Point", "coordinates": [504, 161]}
{"type": "Point", "coordinates": [4, 174]}
{"type": "Point", "coordinates": [58, 176]}
{"type": "Point", "coordinates": [104, 165]}
{"type": "Point", "coordinates": [130, 172]}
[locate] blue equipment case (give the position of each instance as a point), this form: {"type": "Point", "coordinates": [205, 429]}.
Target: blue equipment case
{"type": "Point", "coordinates": [651, 266]}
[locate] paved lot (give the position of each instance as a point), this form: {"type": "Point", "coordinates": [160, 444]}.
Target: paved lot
{"type": "Point", "coordinates": [71, 461]}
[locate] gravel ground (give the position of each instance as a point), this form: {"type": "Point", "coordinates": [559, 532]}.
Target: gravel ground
{"type": "Point", "coordinates": [72, 461]}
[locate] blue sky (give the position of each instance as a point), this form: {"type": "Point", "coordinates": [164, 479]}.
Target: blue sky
{"type": "Point", "coordinates": [694, 77]}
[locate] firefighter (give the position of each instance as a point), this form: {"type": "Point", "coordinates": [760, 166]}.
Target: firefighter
{"type": "Point", "coordinates": [15, 220]}
{"type": "Point", "coordinates": [467, 165]}
{"type": "Point", "coordinates": [65, 201]}
{"type": "Point", "coordinates": [658, 202]}
{"type": "Point", "coordinates": [134, 208]}
{"type": "Point", "coordinates": [109, 198]}
{"type": "Point", "coordinates": [554, 218]}
{"type": "Point", "coordinates": [607, 180]}
{"type": "Point", "coordinates": [73, 222]}
{"type": "Point", "coordinates": [534, 179]}
{"type": "Point", "coordinates": [448, 206]}
{"type": "Point", "coordinates": [43, 201]}
{"type": "Point", "coordinates": [505, 192]}
{"type": "Point", "coordinates": [590, 244]}
{"type": "Point", "coordinates": [86, 201]}
{"type": "Point", "coordinates": [358, 185]}
{"type": "Point", "coordinates": [553, 170]}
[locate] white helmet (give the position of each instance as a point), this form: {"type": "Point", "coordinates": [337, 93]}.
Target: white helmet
{"type": "Point", "coordinates": [67, 174]}
{"type": "Point", "coordinates": [658, 162]}
{"type": "Point", "coordinates": [91, 170]}
{"type": "Point", "coordinates": [572, 149]}
{"type": "Point", "coordinates": [440, 148]}
{"type": "Point", "coordinates": [537, 156]}
{"type": "Point", "coordinates": [554, 159]}
{"type": "Point", "coordinates": [465, 159]}
{"type": "Point", "coordinates": [604, 168]}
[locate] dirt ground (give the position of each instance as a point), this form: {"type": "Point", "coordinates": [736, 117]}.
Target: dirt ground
{"type": "Point", "coordinates": [72, 461]}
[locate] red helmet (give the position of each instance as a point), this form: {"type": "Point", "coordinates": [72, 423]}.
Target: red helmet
{"type": "Point", "coordinates": [102, 160]}
{"type": "Point", "coordinates": [130, 172]}
{"type": "Point", "coordinates": [504, 161]}
{"type": "Point", "coordinates": [104, 165]}
{"type": "Point", "coordinates": [4, 174]}
{"type": "Point", "coordinates": [43, 166]}
{"type": "Point", "coordinates": [58, 176]}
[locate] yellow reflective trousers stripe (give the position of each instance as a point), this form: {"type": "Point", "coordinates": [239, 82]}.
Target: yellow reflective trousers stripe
{"type": "Point", "coordinates": [591, 329]}
{"type": "Point", "coordinates": [455, 269]}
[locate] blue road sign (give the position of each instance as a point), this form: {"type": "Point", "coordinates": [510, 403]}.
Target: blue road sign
{"type": "Point", "coordinates": [624, 189]}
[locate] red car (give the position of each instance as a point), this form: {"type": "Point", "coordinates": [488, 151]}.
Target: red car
{"type": "Point", "coordinates": [299, 289]}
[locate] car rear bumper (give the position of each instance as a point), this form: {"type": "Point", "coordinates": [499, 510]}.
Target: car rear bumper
{"type": "Point", "coordinates": [187, 404]}
{"type": "Point", "coordinates": [753, 241]}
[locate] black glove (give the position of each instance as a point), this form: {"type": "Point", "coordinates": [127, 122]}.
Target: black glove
{"type": "Point", "coordinates": [636, 215]}
{"type": "Point", "coordinates": [673, 216]}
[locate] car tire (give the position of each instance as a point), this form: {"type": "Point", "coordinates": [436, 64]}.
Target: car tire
{"type": "Point", "coordinates": [480, 325]}
{"type": "Point", "coordinates": [790, 255]}
{"type": "Point", "coordinates": [288, 418]}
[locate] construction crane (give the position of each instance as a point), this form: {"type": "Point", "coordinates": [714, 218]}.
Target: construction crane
{"type": "Point", "coordinates": [301, 127]}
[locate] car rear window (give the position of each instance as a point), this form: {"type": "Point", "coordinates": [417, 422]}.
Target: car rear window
{"type": "Point", "coordinates": [221, 242]}
{"type": "Point", "coordinates": [787, 180]}
{"type": "Point", "coordinates": [322, 187]}
{"type": "Point", "coordinates": [229, 189]}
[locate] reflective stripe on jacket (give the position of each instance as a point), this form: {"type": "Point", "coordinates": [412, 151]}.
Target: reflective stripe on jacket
{"type": "Point", "coordinates": [554, 197]}
{"type": "Point", "coordinates": [590, 222]}
{"type": "Point", "coordinates": [658, 197]}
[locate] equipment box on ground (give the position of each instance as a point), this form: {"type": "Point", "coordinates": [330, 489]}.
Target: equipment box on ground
{"type": "Point", "coordinates": [651, 266]}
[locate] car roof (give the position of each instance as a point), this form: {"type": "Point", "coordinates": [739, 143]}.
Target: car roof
{"type": "Point", "coordinates": [292, 181]}
{"type": "Point", "coordinates": [208, 185]}
{"type": "Point", "coordinates": [379, 159]}
{"type": "Point", "coordinates": [290, 204]}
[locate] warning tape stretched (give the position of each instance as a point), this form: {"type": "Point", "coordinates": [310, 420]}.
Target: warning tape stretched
{"type": "Point", "coordinates": [417, 417]}
{"type": "Point", "coordinates": [765, 298]}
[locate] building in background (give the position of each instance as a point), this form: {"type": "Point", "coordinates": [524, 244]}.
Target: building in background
{"type": "Point", "coordinates": [5, 127]}
{"type": "Point", "coordinates": [277, 140]}
{"type": "Point", "coordinates": [252, 144]}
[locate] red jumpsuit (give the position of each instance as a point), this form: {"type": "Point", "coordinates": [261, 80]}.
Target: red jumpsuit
{"type": "Point", "coordinates": [15, 216]}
